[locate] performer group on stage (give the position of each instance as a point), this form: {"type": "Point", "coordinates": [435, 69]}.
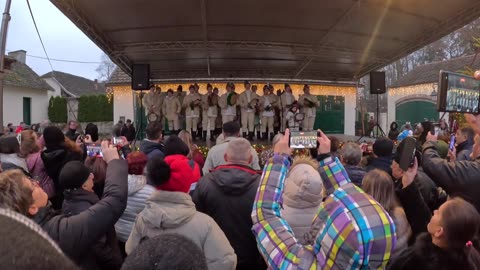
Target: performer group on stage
{"type": "Point", "coordinates": [200, 114]}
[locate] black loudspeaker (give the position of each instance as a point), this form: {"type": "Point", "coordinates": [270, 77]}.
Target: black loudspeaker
{"type": "Point", "coordinates": [377, 83]}
{"type": "Point", "coordinates": [140, 77]}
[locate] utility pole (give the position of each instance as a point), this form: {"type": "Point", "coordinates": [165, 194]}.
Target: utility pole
{"type": "Point", "coordinates": [3, 43]}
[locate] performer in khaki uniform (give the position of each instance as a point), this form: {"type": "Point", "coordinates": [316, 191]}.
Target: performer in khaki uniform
{"type": "Point", "coordinates": [209, 112]}
{"type": "Point", "coordinates": [180, 95]}
{"type": "Point", "coordinates": [153, 102]}
{"type": "Point", "coordinates": [192, 104]}
{"type": "Point", "coordinates": [268, 102]}
{"type": "Point", "coordinates": [228, 104]}
{"type": "Point", "coordinates": [171, 110]}
{"type": "Point", "coordinates": [309, 103]}
{"type": "Point", "coordinates": [287, 100]}
{"type": "Point", "coordinates": [248, 101]}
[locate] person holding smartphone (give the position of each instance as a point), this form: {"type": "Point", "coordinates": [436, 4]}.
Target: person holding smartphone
{"type": "Point", "coordinates": [455, 177]}
{"type": "Point", "coordinates": [336, 216]}
{"type": "Point", "coordinates": [463, 144]}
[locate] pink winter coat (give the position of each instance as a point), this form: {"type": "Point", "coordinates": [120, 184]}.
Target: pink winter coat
{"type": "Point", "coordinates": [38, 172]}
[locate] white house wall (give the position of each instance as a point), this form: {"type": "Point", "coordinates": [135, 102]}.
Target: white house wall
{"type": "Point", "coordinates": [13, 104]}
{"type": "Point", "coordinates": [122, 104]}
{"type": "Point", "coordinates": [420, 91]}
{"type": "Point", "coordinates": [55, 86]}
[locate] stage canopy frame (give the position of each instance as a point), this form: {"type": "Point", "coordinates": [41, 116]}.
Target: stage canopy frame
{"type": "Point", "coordinates": [311, 40]}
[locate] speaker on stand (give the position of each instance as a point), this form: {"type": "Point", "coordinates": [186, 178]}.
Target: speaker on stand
{"type": "Point", "coordinates": [377, 87]}
{"type": "Point", "coordinates": [140, 81]}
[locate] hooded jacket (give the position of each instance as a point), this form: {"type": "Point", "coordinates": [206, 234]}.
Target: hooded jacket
{"type": "Point", "coordinates": [174, 212]}
{"type": "Point", "coordinates": [77, 234]}
{"type": "Point", "coordinates": [12, 162]}
{"type": "Point", "coordinates": [105, 253]}
{"type": "Point", "coordinates": [355, 173]}
{"type": "Point", "coordinates": [350, 231]}
{"type": "Point", "coordinates": [152, 149]}
{"type": "Point", "coordinates": [138, 193]}
{"type": "Point", "coordinates": [227, 194]}
{"type": "Point", "coordinates": [302, 197]}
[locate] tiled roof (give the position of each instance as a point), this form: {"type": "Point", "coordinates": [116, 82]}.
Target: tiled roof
{"type": "Point", "coordinates": [75, 84]}
{"type": "Point", "coordinates": [429, 73]}
{"type": "Point", "coordinates": [22, 75]}
{"type": "Point", "coordinates": [119, 77]}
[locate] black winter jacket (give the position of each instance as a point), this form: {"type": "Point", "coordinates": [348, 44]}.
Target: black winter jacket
{"type": "Point", "coordinates": [417, 211]}
{"type": "Point", "coordinates": [227, 194]}
{"type": "Point", "coordinates": [427, 256]}
{"type": "Point", "coordinates": [105, 254]}
{"type": "Point", "coordinates": [129, 132]}
{"type": "Point", "coordinates": [54, 159]}
{"type": "Point", "coordinates": [380, 163]}
{"type": "Point", "coordinates": [77, 234]}
{"type": "Point", "coordinates": [459, 178]}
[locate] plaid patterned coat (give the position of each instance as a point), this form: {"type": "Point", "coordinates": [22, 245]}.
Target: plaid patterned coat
{"type": "Point", "coordinates": [350, 231]}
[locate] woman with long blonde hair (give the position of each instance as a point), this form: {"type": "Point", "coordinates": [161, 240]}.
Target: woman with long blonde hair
{"type": "Point", "coordinates": [194, 154]}
{"type": "Point", "coordinates": [380, 186]}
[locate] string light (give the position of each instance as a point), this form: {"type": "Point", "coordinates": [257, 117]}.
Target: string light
{"type": "Point", "coordinates": [420, 89]}
{"type": "Point", "coordinates": [349, 92]}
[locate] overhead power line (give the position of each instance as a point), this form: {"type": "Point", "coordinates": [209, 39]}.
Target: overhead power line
{"type": "Point", "coordinates": [38, 33]}
{"type": "Point", "coordinates": [61, 60]}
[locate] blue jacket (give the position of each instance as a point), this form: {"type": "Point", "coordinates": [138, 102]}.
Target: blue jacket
{"type": "Point", "coordinates": [152, 149]}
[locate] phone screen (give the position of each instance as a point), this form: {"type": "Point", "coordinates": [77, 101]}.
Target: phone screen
{"type": "Point", "coordinates": [302, 140]}
{"type": "Point", "coordinates": [94, 150]}
{"type": "Point", "coordinates": [462, 93]}
{"type": "Point", "coordinates": [452, 142]}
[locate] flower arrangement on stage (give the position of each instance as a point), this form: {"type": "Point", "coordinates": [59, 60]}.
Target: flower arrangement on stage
{"type": "Point", "coordinates": [203, 150]}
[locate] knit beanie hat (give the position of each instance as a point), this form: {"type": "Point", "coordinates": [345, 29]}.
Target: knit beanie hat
{"type": "Point", "coordinates": [29, 246]}
{"type": "Point", "coordinates": [383, 147]}
{"type": "Point", "coordinates": [73, 175]}
{"type": "Point", "coordinates": [53, 136]}
{"type": "Point", "coordinates": [303, 187]}
{"type": "Point", "coordinates": [181, 174]}
{"type": "Point", "coordinates": [442, 148]}
{"type": "Point", "coordinates": [166, 251]}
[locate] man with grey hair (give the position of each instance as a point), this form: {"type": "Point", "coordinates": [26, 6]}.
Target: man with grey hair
{"type": "Point", "coordinates": [351, 155]}
{"type": "Point", "coordinates": [216, 155]}
{"type": "Point", "coordinates": [226, 194]}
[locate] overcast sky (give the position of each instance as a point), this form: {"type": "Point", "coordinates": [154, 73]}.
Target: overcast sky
{"type": "Point", "coordinates": [62, 39]}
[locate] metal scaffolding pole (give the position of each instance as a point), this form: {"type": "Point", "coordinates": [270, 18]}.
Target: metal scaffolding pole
{"type": "Point", "coordinates": [3, 44]}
